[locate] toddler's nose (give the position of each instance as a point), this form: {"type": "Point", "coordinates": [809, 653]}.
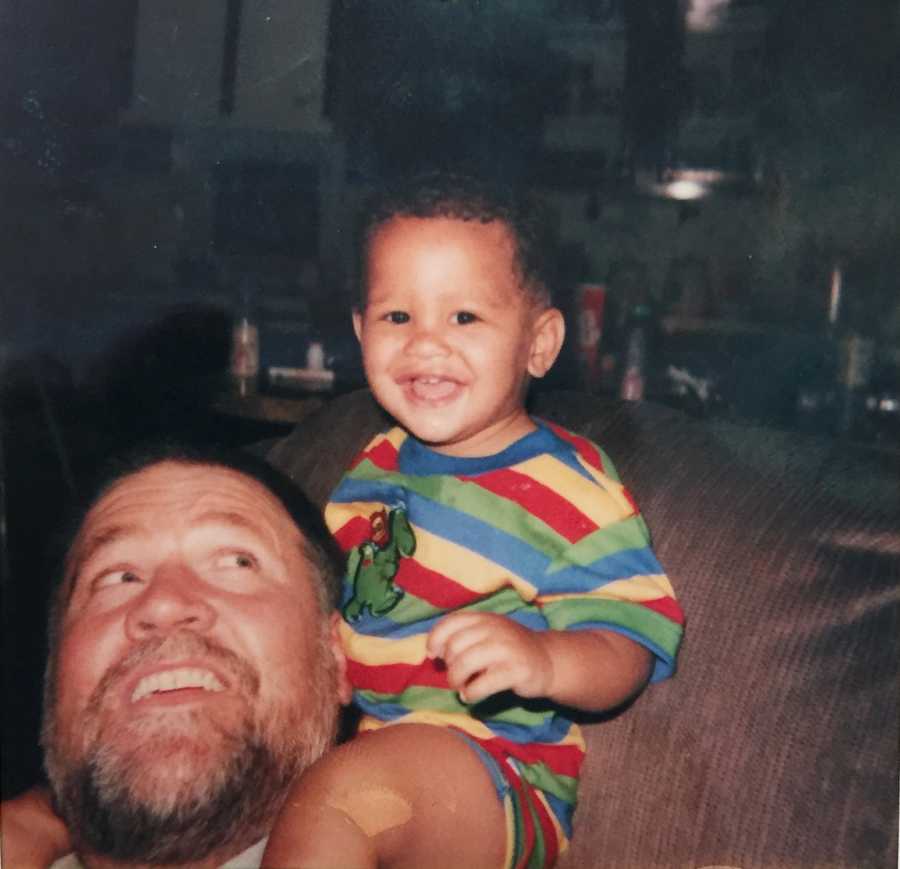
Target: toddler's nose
{"type": "Point", "coordinates": [427, 341]}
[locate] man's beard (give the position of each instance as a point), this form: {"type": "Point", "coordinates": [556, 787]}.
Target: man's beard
{"type": "Point", "coordinates": [178, 794]}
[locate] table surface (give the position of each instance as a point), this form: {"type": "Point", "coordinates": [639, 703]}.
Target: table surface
{"type": "Point", "coordinates": [267, 407]}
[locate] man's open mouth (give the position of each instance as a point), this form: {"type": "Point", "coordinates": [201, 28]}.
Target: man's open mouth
{"type": "Point", "coordinates": [177, 679]}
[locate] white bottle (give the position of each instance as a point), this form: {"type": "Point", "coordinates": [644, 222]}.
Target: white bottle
{"type": "Point", "coordinates": [245, 350]}
{"type": "Point", "coordinates": [315, 356]}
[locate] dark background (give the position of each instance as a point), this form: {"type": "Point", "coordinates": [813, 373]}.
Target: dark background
{"type": "Point", "coordinates": [131, 235]}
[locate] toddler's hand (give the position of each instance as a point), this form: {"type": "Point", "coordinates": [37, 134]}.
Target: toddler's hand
{"type": "Point", "coordinates": [32, 835]}
{"type": "Point", "coordinates": [486, 653]}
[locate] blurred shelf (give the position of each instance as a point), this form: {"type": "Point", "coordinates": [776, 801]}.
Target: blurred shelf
{"type": "Point", "coordinates": [265, 407]}
{"type": "Point", "coordinates": [676, 325]}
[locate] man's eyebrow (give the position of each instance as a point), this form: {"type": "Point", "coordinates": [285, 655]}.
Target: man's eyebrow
{"type": "Point", "coordinates": [97, 540]}
{"type": "Point", "coordinates": [262, 531]}
{"type": "Point", "coordinates": [91, 545]}
{"type": "Point", "coordinates": [112, 533]}
{"type": "Point", "coordinates": [228, 517]}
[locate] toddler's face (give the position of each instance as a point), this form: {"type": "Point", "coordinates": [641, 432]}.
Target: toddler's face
{"type": "Point", "coordinates": [449, 337]}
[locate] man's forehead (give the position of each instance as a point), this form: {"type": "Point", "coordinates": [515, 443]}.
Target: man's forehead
{"type": "Point", "coordinates": [183, 494]}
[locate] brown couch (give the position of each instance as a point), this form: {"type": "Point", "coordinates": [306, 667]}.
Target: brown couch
{"type": "Point", "coordinates": [775, 745]}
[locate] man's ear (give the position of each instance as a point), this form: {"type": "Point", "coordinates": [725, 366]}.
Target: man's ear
{"type": "Point", "coordinates": [547, 335]}
{"type": "Point", "coordinates": [357, 323]}
{"type": "Point", "coordinates": [342, 683]}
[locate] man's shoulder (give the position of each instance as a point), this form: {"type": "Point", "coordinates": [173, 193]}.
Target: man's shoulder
{"type": "Point", "coordinates": [249, 859]}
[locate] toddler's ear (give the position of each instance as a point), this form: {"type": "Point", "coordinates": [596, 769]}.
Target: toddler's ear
{"type": "Point", "coordinates": [357, 322]}
{"type": "Point", "coordinates": [547, 336]}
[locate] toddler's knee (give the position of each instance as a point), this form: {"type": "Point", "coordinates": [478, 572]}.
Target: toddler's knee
{"type": "Point", "coordinates": [374, 809]}
{"type": "Point", "coordinates": [349, 782]}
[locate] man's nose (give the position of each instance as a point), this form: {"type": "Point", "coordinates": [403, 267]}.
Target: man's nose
{"type": "Point", "coordinates": [173, 599]}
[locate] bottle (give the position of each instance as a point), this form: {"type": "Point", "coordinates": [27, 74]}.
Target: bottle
{"type": "Point", "coordinates": [635, 367]}
{"type": "Point", "coordinates": [245, 344]}
{"type": "Point", "coordinates": [591, 302]}
{"type": "Point", "coordinates": [315, 356]}
{"type": "Point", "coordinates": [818, 404]}
{"type": "Point", "coordinates": [855, 354]}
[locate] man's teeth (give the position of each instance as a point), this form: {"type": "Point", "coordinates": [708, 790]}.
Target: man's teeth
{"type": "Point", "coordinates": [172, 680]}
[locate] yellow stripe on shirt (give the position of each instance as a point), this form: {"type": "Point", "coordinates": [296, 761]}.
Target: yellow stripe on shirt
{"type": "Point", "coordinates": [615, 490]}
{"type": "Point", "coordinates": [581, 493]}
{"type": "Point", "coordinates": [561, 838]}
{"type": "Point", "coordinates": [470, 570]}
{"type": "Point", "coordinates": [337, 515]}
{"type": "Point", "coordinates": [634, 588]}
{"type": "Point", "coordinates": [395, 437]}
{"type": "Point", "coordinates": [380, 650]}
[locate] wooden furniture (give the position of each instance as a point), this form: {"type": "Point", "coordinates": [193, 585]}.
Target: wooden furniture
{"type": "Point", "coordinates": [265, 407]}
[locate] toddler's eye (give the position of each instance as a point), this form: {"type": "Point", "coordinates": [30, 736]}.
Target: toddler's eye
{"type": "Point", "coordinates": [397, 317]}
{"type": "Point", "coordinates": [465, 317]}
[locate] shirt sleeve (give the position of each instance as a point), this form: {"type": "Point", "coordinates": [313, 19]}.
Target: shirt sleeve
{"type": "Point", "coordinates": [610, 578]}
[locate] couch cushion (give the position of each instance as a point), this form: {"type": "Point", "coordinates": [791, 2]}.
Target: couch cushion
{"type": "Point", "coordinates": [775, 745]}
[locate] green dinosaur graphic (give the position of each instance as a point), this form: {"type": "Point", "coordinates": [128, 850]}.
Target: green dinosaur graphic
{"type": "Point", "coordinates": [373, 564]}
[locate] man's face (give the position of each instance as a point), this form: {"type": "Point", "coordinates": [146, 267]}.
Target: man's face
{"type": "Point", "coordinates": [192, 650]}
{"type": "Point", "coordinates": [449, 337]}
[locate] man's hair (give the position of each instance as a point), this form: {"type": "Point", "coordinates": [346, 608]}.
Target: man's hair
{"type": "Point", "coordinates": [317, 544]}
{"type": "Point", "coordinates": [467, 197]}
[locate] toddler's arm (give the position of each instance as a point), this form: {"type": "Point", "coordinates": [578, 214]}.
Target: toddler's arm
{"type": "Point", "coordinates": [486, 653]}
{"type": "Point", "coordinates": [33, 835]}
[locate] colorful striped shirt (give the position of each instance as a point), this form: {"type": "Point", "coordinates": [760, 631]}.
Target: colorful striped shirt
{"type": "Point", "coordinates": [542, 532]}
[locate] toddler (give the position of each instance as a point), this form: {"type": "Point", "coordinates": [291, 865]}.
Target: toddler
{"type": "Point", "coordinates": [498, 573]}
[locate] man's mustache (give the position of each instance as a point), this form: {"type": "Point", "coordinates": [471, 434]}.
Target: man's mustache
{"type": "Point", "coordinates": [240, 674]}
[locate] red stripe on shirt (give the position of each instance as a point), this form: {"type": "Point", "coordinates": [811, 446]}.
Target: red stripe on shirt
{"type": "Point", "coordinates": [551, 846]}
{"type": "Point", "coordinates": [432, 587]}
{"type": "Point", "coordinates": [396, 678]}
{"type": "Point", "coordinates": [561, 759]}
{"type": "Point", "coordinates": [539, 500]}
{"type": "Point", "coordinates": [383, 455]}
{"type": "Point", "coordinates": [666, 606]}
{"type": "Point", "coordinates": [527, 820]}
{"type": "Point", "coordinates": [630, 499]}
{"type": "Point", "coordinates": [584, 447]}
{"type": "Point", "coordinates": [353, 532]}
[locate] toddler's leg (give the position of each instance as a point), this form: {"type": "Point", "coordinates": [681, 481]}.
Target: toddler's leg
{"type": "Point", "coordinates": [403, 797]}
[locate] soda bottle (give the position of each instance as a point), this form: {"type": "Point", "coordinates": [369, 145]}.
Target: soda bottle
{"type": "Point", "coordinates": [245, 344]}
{"type": "Point", "coordinates": [635, 367]}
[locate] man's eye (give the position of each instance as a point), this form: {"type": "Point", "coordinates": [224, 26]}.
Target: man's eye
{"type": "Point", "coordinates": [240, 560]}
{"type": "Point", "coordinates": [464, 317]}
{"type": "Point", "coordinates": [397, 317]}
{"type": "Point", "coordinates": [115, 577]}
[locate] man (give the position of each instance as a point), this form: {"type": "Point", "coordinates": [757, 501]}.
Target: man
{"type": "Point", "coordinates": [194, 668]}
